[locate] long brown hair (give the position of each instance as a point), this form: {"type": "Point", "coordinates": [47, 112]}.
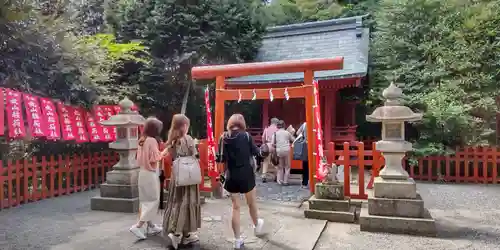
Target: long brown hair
{"type": "Point", "coordinates": [152, 128]}
{"type": "Point", "coordinates": [176, 129]}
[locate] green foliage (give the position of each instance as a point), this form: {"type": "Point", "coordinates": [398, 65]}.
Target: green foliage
{"type": "Point", "coordinates": [282, 12]}
{"type": "Point", "coordinates": [446, 56]}
{"type": "Point", "coordinates": [180, 35]}
{"type": "Point", "coordinates": [102, 56]}
{"type": "Point", "coordinates": [42, 53]}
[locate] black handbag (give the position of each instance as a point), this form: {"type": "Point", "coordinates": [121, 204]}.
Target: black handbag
{"type": "Point", "coordinates": [275, 160]}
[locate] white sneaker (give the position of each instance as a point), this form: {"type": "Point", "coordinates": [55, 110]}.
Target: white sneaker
{"type": "Point", "coordinates": [258, 227]}
{"type": "Point", "coordinates": [137, 232]}
{"type": "Point", "coordinates": [176, 240]}
{"type": "Point", "coordinates": [154, 229]}
{"type": "Point", "coordinates": [191, 238]}
{"type": "Point", "coordinates": [238, 243]}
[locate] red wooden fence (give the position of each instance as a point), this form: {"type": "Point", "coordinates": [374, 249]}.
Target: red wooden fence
{"type": "Point", "coordinates": [24, 181]}
{"type": "Point", "coordinates": [467, 165]}
{"type": "Point", "coordinates": [29, 180]}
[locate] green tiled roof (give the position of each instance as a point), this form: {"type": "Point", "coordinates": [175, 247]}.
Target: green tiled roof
{"type": "Point", "coordinates": [338, 37]}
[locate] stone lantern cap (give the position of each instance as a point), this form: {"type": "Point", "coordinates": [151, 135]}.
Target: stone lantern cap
{"type": "Point", "coordinates": [392, 109]}
{"type": "Point", "coordinates": [126, 116]}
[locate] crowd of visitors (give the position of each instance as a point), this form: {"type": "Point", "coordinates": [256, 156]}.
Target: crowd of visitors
{"type": "Point", "coordinates": [237, 151]}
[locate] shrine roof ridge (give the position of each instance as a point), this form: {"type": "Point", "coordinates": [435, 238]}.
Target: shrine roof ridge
{"type": "Point", "coordinates": [315, 27]}
{"type": "Point", "coordinates": [345, 37]}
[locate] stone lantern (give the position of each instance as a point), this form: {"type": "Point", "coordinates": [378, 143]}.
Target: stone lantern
{"type": "Point", "coordinates": [395, 206]}
{"type": "Point", "coordinates": [120, 192]}
{"type": "Point", "coordinates": [393, 145]}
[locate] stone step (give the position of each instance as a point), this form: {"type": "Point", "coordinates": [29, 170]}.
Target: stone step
{"type": "Point", "coordinates": [333, 216]}
{"type": "Point", "coordinates": [396, 207]}
{"type": "Point", "coordinates": [425, 226]}
{"type": "Point", "coordinates": [328, 205]}
{"type": "Point", "coordinates": [109, 204]}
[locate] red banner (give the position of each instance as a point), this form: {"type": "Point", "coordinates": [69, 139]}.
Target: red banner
{"type": "Point", "coordinates": [212, 169]}
{"type": "Point", "coordinates": [81, 132]}
{"type": "Point", "coordinates": [2, 122]}
{"type": "Point", "coordinates": [110, 132]}
{"type": "Point", "coordinates": [14, 114]}
{"type": "Point", "coordinates": [67, 122]}
{"type": "Point", "coordinates": [320, 167]}
{"type": "Point", "coordinates": [50, 119]}
{"type": "Point", "coordinates": [34, 115]}
{"type": "Point", "coordinates": [94, 128]}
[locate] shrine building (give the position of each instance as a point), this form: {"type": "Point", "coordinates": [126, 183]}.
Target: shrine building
{"type": "Point", "coordinates": [345, 37]}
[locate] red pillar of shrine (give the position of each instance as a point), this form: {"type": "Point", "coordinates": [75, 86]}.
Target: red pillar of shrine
{"type": "Point", "coordinates": [265, 114]}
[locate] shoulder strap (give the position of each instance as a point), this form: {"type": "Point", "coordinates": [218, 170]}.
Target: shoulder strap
{"type": "Point", "coordinates": [274, 141]}
{"type": "Point", "coordinates": [221, 145]}
{"type": "Point", "coordinates": [248, 136]}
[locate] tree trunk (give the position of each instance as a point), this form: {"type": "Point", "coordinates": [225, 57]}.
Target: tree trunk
{"type": "Point", "coordinates": [186, 98]}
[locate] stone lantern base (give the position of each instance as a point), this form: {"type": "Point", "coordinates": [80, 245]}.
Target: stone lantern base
{"type": "Point", "coordinates": [328, 203]}
{"type": "Point", "coordinates": [119, 193]}
{"type": "Point", "coordinates": [396, 207]}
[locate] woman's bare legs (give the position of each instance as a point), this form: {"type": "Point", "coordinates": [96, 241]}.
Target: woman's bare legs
{"type": "Point", "coordinates": [235, 220]}
{"type": "Point", "coordinates": [252, 205]}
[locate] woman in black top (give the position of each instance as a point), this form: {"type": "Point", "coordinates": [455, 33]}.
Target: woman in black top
{"type": "Point", "coordinates": [237, 152]}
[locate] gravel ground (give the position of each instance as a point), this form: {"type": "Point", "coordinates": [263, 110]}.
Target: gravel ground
{"type": "Point", "coordinates": [468, 217]}
{"type": "Point", "coordinates": [272, 191]}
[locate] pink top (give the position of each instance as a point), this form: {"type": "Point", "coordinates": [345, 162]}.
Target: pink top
{"type": "Point", "coordinates": [149, 154]}
{"type": "Point", "coordinates": [268, 133]}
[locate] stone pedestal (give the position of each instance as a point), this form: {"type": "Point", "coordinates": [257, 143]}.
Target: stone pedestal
{"type": "Point", "coordinates": [396, 207]}
{"type": "Point", "coordinates": [119, 193]}
{"type": "Point", "coordinates": [328, 203]}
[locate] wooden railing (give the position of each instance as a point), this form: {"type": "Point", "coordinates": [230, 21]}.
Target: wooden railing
{"type": "Point", "coordinates": [467, 165]}
{"type": "Point", "coordinates": [29, 180]}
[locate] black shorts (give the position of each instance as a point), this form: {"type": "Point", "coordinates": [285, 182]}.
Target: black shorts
{"type": "Point", "coordinates": [240, 180]}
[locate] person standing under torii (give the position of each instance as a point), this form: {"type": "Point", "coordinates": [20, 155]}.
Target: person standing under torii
{"type": "Point", "coordinates": [267, 136]}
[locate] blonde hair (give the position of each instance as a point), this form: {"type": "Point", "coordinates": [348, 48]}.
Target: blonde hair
{"type": "Point", "coordinates": [236, 121]}
{"type": "Point", "coordinates": [176, 129]}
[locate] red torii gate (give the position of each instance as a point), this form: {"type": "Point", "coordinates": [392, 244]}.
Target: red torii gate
{"type": "Point", "coordinates": [308, 66]}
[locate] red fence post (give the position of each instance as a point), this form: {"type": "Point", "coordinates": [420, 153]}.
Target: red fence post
{"type": "Point", "coordinates": [495, 160]}
{"type": "Point", "coordinates": [26, 174]}
{"type": "Point", "coordinates": [2, 182]}
{"type": "Point", "coordinates": [347, 169]}
{"type": "Point", "coordinates": [10, 203]}
{"type": "Point", "coordinates": [18, 182]}
{"type": "Point", "coordinates": [361, 173]}
{"type": "Point", "coordinates": [44, 177]}
{"type": "Point", "coordinates": [52, 171]}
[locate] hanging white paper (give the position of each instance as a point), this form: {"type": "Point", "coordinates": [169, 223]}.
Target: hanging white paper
{"type": "Point", "coordinates": [239, 96]}
{"type": "Point", "coordinates": [287, 96]}
{"type": "Point", "coordinates": [271, 96]}
{"type": "Point", "coordinates": [254, 97]}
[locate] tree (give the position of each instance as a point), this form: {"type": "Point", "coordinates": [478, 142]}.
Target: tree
{"type": "Point", "coordinates": [42, 53]}
{"type": "Point", "coordinates": [282, 12]}
{"type": "Point", "coordinates": [181, 34]}
{"type": "Point", "coordinates": [445, 55]}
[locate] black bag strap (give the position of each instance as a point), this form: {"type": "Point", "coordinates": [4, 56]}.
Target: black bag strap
{"type": "Point", "coordinates": [221, 145]}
